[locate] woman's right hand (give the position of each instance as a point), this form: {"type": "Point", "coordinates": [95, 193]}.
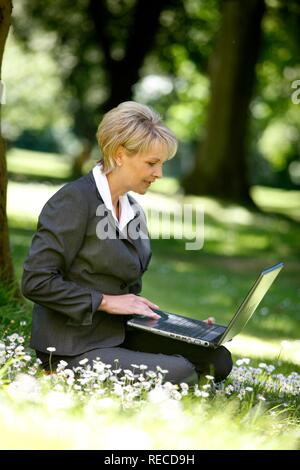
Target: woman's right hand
{"type": "Point", "coordinates": [128, 304]}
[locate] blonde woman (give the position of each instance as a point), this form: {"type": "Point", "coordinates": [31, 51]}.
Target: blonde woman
{"type": "Point", "coordinates": [91, 248]}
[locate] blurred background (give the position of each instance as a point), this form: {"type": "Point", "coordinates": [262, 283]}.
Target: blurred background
{"type": "Point", "coordinates": [225, 77]}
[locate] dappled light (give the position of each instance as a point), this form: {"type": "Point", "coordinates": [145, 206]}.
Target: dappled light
{"type": "Point", "coordinates": [198, 284]}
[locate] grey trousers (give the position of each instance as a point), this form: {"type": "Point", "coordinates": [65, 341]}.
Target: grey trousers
{"type": "Point", "coordinates": [184, 362]}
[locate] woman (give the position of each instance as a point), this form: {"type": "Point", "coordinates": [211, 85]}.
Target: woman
{"type": "Point", "coordinates": [89, 253]}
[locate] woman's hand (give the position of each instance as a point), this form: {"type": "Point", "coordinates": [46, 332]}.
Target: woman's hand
{"type": "Point", "coordinates": [210, 320]}
{"type": "Point", "coordinates": [128, 304]}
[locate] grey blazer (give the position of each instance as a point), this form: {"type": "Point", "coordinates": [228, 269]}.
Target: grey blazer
{"type": "Point", "coordinates": [69, 268]}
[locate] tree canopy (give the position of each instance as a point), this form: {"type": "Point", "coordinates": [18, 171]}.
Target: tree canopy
{"type": "Point", "coordinates": [91, 44]}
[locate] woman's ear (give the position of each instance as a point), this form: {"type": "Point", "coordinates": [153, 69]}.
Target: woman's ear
{"type": "Point", "coordinates": [119, 156]}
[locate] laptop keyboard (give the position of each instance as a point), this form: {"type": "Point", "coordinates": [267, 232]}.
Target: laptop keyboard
{"type": "Point", "coordinates": [176, 325]}
{"type": "Point", "coordinates": [186, 327]}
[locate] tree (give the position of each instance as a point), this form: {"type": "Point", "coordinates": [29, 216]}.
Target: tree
{"type": "Point", "coordinates": [103, 48]}
{"type": "Point", "coordinates": [220, 168]}
{"type": "Point", "coordinates": [6, 265]}
{"type": "Point", "coordinates": [106, 44]}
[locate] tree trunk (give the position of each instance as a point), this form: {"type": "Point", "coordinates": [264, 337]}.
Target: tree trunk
{"type": "Point", "coordinates": [6, 265]}
{"type": "Point", "coordinates": [124, 73]}
{"type": "Point", "coordinates": [220, 168]}
{"type": "Point", "coordinates": [83, 157]}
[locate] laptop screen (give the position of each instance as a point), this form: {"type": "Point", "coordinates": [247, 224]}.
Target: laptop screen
{"type": "Point", "coordinates": [250, 303]}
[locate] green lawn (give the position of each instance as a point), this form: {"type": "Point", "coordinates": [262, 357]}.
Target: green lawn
{"type": "Point", "coordinates": [212, 281]}
{"type": "Point", "coordinates": [209, 282]}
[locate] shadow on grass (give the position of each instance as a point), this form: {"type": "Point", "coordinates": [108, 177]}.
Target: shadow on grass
{"type": "Point", "coordinates": [20, 241]}
{"type": "Point", "coordinates": [28, 178]}
{"type": "Point", "coordinates": [200, 284]}
{"type": "Point", "coordinates": [214, 280]}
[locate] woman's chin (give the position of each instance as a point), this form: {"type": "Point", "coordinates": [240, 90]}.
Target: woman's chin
{"type": "Point", "coordinates": [141, 190]}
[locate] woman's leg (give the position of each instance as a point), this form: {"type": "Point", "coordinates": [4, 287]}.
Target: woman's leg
{"type": "Point", "coordinates": [179, 368]}
{"type": "Point", "coordinates": [182, 360]}
{"type": "Point", "coordinates": [216, 362]}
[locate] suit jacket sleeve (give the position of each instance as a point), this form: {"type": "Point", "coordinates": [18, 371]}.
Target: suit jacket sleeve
{"type": "Point", "coordinates": [60, 234]}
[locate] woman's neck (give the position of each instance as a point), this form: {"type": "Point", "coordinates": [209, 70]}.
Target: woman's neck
{"type": "Point", "coordinates": [116, 190]}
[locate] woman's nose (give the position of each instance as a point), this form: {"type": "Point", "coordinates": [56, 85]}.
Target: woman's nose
{"type": "Point", "coordinates": [158, 172]}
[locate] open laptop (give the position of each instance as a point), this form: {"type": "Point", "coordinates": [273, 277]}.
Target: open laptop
{"type": "Point", "coordinates": [209, 335]}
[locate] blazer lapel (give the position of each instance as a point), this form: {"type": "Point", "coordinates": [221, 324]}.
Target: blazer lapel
{"type": "Point", "coordinates": [141, 241]}
{"type": "Point", "coordinates": [137, 227]}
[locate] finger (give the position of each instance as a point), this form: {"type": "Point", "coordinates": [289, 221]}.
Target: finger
{"type": "Point", "coordinates": [147, 312]}
{"type": "Point", "coordinates": [210, 320]}
{"type": "Point", "coordinates": [148, 302]}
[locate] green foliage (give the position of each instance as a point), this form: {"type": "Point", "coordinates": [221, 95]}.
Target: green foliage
{"type": "Point", "coordinates": [70, 71]}
{"type": "Point", "coordinates": [275, 124]}
{"type": "Point", "coordinates": [35, 96]}
{"type": "Point", "coordinates": [184, 45]}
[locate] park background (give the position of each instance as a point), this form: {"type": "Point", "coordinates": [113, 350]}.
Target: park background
{"type": "Point", "coordinates": [224, 75]}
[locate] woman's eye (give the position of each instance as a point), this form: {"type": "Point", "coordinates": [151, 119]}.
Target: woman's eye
{"type": "Point", "coordinates": [151, 163]}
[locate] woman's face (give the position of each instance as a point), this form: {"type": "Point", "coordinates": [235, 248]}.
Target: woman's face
{"type": "Point", "coordinates": [142, 169]}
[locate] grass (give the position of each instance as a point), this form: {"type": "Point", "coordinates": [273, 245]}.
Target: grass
{"type": "Point", "coordinates": [22, 164]}
{"type": "Point", "coordinates": [209, 282]}
{"type": "Point", "coordinates": [133, 409]}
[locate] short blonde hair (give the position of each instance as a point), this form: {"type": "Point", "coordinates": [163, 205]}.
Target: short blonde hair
{"type": "Point", "coordinates": [135, 127]}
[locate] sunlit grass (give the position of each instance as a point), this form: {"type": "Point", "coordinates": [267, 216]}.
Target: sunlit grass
{"type": "Point", "coordinates": [101, 425]}
{"type": "Point", "coordinates": [194, 283]}
{"type": "Point", "coordinates": [208, 282]}
{"type": "Point", "coordinates": [269, 199]}
{"type": "Point", "coordinates": [97, 406]}
{"type": "Point", "coordinates": [281, 350]}
{"type": "Point", "coordinates": [229, 229]}
{"type": "Point", "coordinates": [25, 201]}
{"type": "Point", "coordinates": [254, 234]}
{"type": "Point", "coordinates": [284, 202]}
{"type": "Point", "coordinates": [27, 162]}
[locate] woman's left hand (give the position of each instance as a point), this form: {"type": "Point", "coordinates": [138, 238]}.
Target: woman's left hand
{"type": "Point", "coordinates": [210, 320]}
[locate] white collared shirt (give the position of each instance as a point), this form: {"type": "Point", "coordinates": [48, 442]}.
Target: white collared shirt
{"type": "Point", "coordinates": [126, 211]}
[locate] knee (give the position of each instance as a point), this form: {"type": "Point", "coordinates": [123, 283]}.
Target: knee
{"type": "Point", "coordinates": [182, 371]}
{"type": "Point", "coordinates": [222, 363]}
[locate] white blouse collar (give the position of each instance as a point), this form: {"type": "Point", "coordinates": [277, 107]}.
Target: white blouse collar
{"type": "Point", "coordinates": [126, 211]}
